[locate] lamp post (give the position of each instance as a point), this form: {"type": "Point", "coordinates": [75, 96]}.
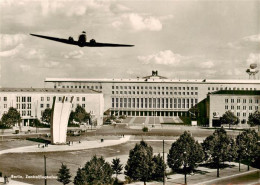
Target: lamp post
{"type": "Point", "coordinates": [185, 178]}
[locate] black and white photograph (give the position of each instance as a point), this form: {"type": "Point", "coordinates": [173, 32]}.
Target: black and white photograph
{"type": "Point", "coordinates": [129, 92]}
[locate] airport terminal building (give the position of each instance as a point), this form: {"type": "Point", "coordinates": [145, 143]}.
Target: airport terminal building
{"type": "Point", "coordinates": [31, 102]}
{"type": "Point", "coordinates": [153, 95]}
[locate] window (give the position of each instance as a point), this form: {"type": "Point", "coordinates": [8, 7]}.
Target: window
{"type": "Point", "coordinates": [29, 99]}
{"type": "Point", "coordinates": [256, 101]}
{"type": "Point", "coordinates": [48, 98]}
{"type": "Point", "coordinates": [179, 103]}
{"type": "Point", "coordinates": [232, 100]}
{"type": "Point", "coordinates": [244, 114]}
{"type": "Point", "coordinates": [238, 100]}
{"type": "Point", "coordinates": [17, 99]}
{"type": "Point", "coordinates": [250, 101]}
{"type": "Point", "coordinates": [244, 107]}
{"type": "Point", "coordinates": [244, 100]}
{"type": "Point", "coordinates": [83, 98]}
{"type": "Point", "coordinates": [125, 102]}
{"type": "Point", "coordinates": [175, 103]}
{"type": "Point", "coordinates": [232, 107]}
{"type": "Point", "coordinates": [238, 114]}
{"type": "Point", "coordinates": [41, 105]}
{"type": "Point", "coordinates": [42, 98]}
{"type": "Point", "coordinates": [29, 106]}
{"type": "Point", "coordinates": [23, 99]}
{"type": "Point", "coordinates": [113, 87]}
{"type": "Point", "coordinates": [226, 100]}
{"type": "Point", "coordinates": [116, 102]}
{"type": "Point", "coordinates": [83, 105]}
{"type": "Point", "coordinates": [5, 105]}
{"type": "Point", "coordinates": [113, 102]}
{"type": "Point", "coordinates": [226, 107]}
{"type": "Point", "coordinates": [238, 107]}
{"type": "Point", "coordinates": [77, 98]}
{"type": "Point", "coordinates": [121, 102]}
{"type": "Point", "coordinates": [137, 102]}
{"type": "Point", "coordinates": [129, 102]}
{"type": "Point", "coordinates": [48, 105]}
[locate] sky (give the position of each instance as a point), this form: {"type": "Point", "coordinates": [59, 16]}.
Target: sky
{"type": "Point", "coordinates": [181, 39]}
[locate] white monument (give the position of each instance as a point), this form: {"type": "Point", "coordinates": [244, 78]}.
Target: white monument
{"type": "Point", "coordinates": [59, 119]}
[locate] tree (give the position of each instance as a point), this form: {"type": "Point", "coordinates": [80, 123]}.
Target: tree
{"type": "Point", "coordinates": [139, 164]}
{"type": "Point", "coordinates": [64, 175]}
{"type": "Point", "coordinates": [216, 147]}
{"type": "Point", "coordinates": [98, 171]}
{"type": "Point", "coordinates": [254, 119]}
{"type": "Point", "coordinates": [80, 178]}
{"type": "Point", "coordinates": [46, 115]}
{"type": "Point", "coordinates": [80, 115]}
{"type": "Point", "coordinates": [229, 118]}
{"type": "Point", "coordinates": [247, 146]}
{"type": "Point", "coordinates": [116, 166]}
{"type": "Point", "coordinates": [9, 119]}
{"type": "Point", "coordinates": [160, 168]}
{"type": "Point", "coordinates": [185, 151]}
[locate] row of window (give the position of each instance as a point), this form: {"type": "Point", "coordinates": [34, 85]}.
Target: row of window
{"type": "Point", "coordinates": [66, 98]}
{"type": "Point", "coordinates": [229, 88]}
{"type": "Point", "coordinates": [154, 88]}
{"type": "Point", "coordinates": [232, 107]}
{"type": "Point", "coordinates": [153, 102]}
{"type": "Point", "coordinates": [81, 87]}
{"type": "Point", "coordinates": [244, 114]}
{"type": "Point", "coordinates": [239, 100]}
{"type": "Point", "coordinates": [154, 93]}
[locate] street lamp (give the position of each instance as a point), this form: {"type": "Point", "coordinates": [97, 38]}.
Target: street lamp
{"type": "Point", "coordinates": [185, 178]}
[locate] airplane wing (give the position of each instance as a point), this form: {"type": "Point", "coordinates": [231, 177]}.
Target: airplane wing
{"type": "Point", "coordinates": [66, 41]}
{"type": "Point", "coordinates": [98, 44]}
{"type": "Point", "coordinates": [86, 44]}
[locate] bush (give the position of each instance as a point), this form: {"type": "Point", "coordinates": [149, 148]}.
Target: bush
{"type": "Point", "coordinates": [122, 117]}
{"type": "Point", "coordinates": [145, 129]}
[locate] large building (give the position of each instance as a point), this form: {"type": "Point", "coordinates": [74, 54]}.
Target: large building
{"type": "Point", "coordinates": [154, 94]}
{"type": "Point", "coordinates": [31, 102]}
{"type": "Point", "coordinates": [241, 103]}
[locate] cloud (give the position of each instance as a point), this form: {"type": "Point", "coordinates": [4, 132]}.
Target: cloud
{"type": "Point", "coordinates": [138, 22]}
{"type": "Point", "coordinates": [166, 57]}
{"type": "Point", "coordinates": [252, 38]}
{"type": "Point", "coordinates": [252, 41]}
{"type": "Point", "coordinates": [207, 65]}
{"type": "Point", "coordinates": [12, 52]}
{"type": "Point", "coordinates": [25, 67]}
{"type": "Point", "coordinates": [253, 58]}
{"type": "Point", "coordinates": [74, 54]}
{"type": "Point", "coordinates": [9, 41]}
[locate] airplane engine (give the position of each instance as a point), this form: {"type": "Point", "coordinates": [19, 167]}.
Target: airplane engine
{"type": "Point", "coordinates": [71, 39]}
{"type": "Point", "coordinates": [92, 41]}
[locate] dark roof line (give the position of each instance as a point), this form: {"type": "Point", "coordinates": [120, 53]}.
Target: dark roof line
{"type": "Point", "coordinates": [237, 92]}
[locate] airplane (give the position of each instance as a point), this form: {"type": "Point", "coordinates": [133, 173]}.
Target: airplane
{"type": "Point", "coordinates": [82, 41]}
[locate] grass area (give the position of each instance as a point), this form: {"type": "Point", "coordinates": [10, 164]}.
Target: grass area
{"type": "Point", "coordinates": [33, 163]}
{"type": "Point", "coordinates": [169, 123]}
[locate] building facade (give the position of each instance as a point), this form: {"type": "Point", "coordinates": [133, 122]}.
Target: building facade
{"type": "Point", "coordinates": [241, 103]}
{"type": "Point", "coordinates": [31, 102]}
{"type": "Point", "coordinates": [152, 95]}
